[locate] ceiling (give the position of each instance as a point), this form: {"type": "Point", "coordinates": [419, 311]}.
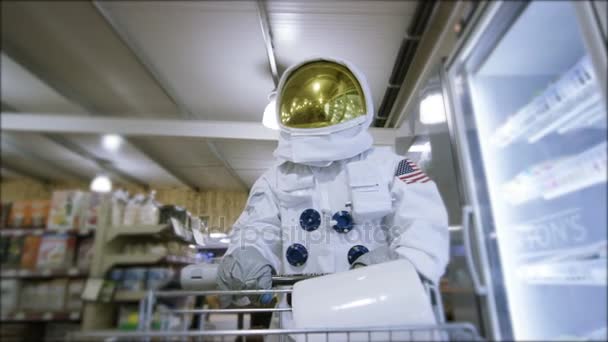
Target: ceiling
{"type": "Point", "coordinates": [201, 60]}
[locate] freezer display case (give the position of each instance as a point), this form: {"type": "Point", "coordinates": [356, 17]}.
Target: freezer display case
{"type": "Point", "coordinates": [527, 89]}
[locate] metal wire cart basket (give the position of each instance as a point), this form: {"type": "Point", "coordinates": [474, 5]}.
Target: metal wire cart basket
{"type": "Point", "coordinates": [439, 332]}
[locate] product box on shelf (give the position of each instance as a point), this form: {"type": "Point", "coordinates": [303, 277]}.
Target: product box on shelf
{"type": "Point", "coordinates": [5, 211]}
{"type": "Point", "coordinates": [56, 252]}
{"type": "Point", "coordinates": [9, 295]}
{"type": "Point", "coordinates": [5, 245]}
{"type": "Point", "coordinates": [20, 215]}
{"type": "Point", "coordinates": [13, 255]}
{"type": "Point", "coordinates": [65, 210]}
{"type": "Point", "coordinates": [29, 256]}
{"type": "Point", "coordinates": [57, 290]}
{"type": "Point", "coordinates": [92, 206]}
{"type": "Point", "coordinates": [159, 277]}
{"type": "Point", "coordinates": [85, 254]}
{"type": "Point", "coordinates": [40, 213]}
{"type": "Point", "coordinates": [30, 298]}
{"type": "Point", "coordinates": [128, 317]}
{"type": "Point", "coordinates": [133, 279]}
{"type": "Point", "coordinates": [74, 292]}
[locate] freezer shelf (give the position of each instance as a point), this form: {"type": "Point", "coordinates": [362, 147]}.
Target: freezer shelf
{"type": "Point", "coordinates": [572, 102]}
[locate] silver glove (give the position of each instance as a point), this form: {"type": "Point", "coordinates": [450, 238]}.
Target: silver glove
{"type": "Point", "coordinates": [375, 256]}
{"type": "Point", "coordinates": [244, 269]}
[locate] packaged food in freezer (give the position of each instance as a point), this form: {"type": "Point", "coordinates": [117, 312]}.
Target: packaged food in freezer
{"type": "Point", "coordinates": [85, 254]}
{"type": "Point", "coordinates": [57, 289]}
{"type": "Point", "coordinates": [74, 292]}
{"type": "Point", "coordinates": [4, 214]}
{"type": "Point", "coordinates": [91, 210]}
{"type": "Point", "coordinates": [13, 255]}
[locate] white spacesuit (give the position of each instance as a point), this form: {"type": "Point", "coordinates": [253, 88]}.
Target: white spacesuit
{"type": "Point", "coordinates": [332, 200]}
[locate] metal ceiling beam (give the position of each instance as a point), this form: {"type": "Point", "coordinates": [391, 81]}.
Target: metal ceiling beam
{"type": "Point", "coordinates": [267, 34]}
{"type": "Point", "coordinates": [73, 96]}
{"type": "Point", "coordinates": [244, 130]}
{"type": "Point", "coordinates": [164, 85]}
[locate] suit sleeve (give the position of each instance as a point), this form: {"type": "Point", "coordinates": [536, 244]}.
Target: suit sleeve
{"type": "Point", "coordinates": [418, 226]}
{"type": "Point", "coordinates": [259, 225]}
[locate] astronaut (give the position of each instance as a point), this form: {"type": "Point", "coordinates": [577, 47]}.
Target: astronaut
{"type": "Point", "coordinates": [332, 201]}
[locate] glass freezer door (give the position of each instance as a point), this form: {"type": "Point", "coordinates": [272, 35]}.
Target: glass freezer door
{"type": "Point", "coordinates": [531, 114]}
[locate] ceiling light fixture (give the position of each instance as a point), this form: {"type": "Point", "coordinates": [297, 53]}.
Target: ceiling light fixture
{"type": "Point", "coordinates": [270, 113]}
{"type": "Point", "coordinates": [101, 183]}
{"type": "Point", "coordinates": [431, 109]}
{"type": "Point", "coordinates": [111, 142]}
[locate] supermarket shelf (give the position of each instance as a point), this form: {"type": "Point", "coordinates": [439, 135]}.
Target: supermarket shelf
{"type": "Point", "coordinates": [49, 316]}
{"type": "Point", "coordinates": [163, 231]}
{"type": "Point", "coordinates": [128, 296]}
{"type": "Point", "coordinates": [144, 259]}
{"type": "Point", "coordinates": [41, 231]}
{"type": "Point", "coordinates": [72, 272]}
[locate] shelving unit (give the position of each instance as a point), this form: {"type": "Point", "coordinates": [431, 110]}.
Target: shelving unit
{"type": "Point", "coordinates": [49, 316]}
{"type": "Point", "coordinates": [72, 272]}
{"type": "Point", "coordinates": [109, 253]}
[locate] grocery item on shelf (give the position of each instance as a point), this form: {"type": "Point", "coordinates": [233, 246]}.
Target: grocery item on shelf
{"type": "Point", "coordinates": [65, 210]}
{"type": "Point", "coordinates": [9, 295]}
{"type": "Point", "coordinates": [40, 213]}
{"type": "Point", "coordinates": [13, 255]}
{"type": "Point", "coordinates": [128, 317]}
{"type": "Point", "coordinates": [85, 254]}
{"type": "Point", "coordinates": [118, 204]}
{"type": "Point", "coordinates": [157, 277]}
{"type": "Point", "coordinates": [573, 101]}
{"type": "Point", "coordinates": [553, 178]}
{"type": "Point", "coordinates": [56, 251]}
{"type": "Point", "coordinates": [73, 298]}
{"type": "Point", "coordinates": [57, 290]}
{"type": "Point", "coordinates": [134, 279]}
{"type": "Point", "coordinates": [132, 210]}
{"type": "Point", "coordinates": [29, 256]}
{"type": "Point", "coordinates": [20, 215]}
{"type": "Point", "coordinates": [5, 210]}
{"type": "Point", "coordinates": [59, 331]}
{"type": "Point", "coordinates": [5, 245]}
{"type": "Point", "coordinates": [92, 206]}
{"type": "Point", "coordinates": [149, 212]}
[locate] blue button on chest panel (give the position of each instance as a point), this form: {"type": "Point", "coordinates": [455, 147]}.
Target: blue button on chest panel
{"type": "Point", "coordinates": [344, 222]}
{"type": "Point", "coordinates": [296, 254]}
{"type": "Point", "coordinates": [355, 252]}
{"type": "Point", "coordinates": [310, 220]}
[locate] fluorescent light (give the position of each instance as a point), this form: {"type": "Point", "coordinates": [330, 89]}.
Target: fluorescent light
{"type": "Point", "coordinates": [192, 246]}
{"type": "Point", "coordinates": [217, 235]}
{"type": "Point", "coordinates": [111, 142]}
{"type": "Point", "coordinates": [432, 110]}
{"type": "Point", "coordinates": [316, 86]}
{"type": "Point", "coordinates": [225, 240]}
{"type": "Point", "coordinates": [101, 184]}
{"type": "Point", "coordinates": [270, 115]}
{"type": "Point", "coordinates": [426, 147]}
{"type": "Point", "coordinates": [454, 228]}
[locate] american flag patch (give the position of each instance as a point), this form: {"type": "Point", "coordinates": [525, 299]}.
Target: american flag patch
{"type": "Point", "coordinates": [409, 172]}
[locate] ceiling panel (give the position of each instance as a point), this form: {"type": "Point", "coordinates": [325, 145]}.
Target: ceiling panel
{"type": "Point", "coordinates": [367, 33]}
{"type": "Point", "coordinates": [73, 46]}
{"type": "Point", "coordinates": [22, 90]}
{"type": "Point", "coordinates": [210, 54]}
{"type": "Point", "coordinates": [127, 159]}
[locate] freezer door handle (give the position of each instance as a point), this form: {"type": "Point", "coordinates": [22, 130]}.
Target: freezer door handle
{"type": "Point", "coordinates": [479, 288]}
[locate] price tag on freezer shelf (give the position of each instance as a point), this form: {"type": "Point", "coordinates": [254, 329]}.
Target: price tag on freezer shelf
{"type": "Point", "coordinates": [46, 272]}
{"type": "Point", "coordinates": [73, 271]}
{"type": "Point", "coordinates": [20, 316]}
{"type": "Point", "coordinates": [24, 273]}
{"type": "Point", "coordinates": [47, 316]}
{"type": "Point", "coordinates": [9, 273]}
{"type": "Point", "coordinates": [75, 315]}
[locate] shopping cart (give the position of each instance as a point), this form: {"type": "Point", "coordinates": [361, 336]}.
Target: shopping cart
{"type": "Point", "coordinates": [282, 286]}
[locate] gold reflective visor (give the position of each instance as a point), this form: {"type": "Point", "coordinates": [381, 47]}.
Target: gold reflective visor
{"type": "Point", "coordinates": [321, 94]}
